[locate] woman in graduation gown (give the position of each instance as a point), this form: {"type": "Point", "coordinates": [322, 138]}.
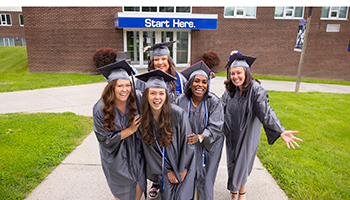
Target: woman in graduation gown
{"type": "Point", "coordinates": [163, 61]}
{"type": "Point", "coordinates": [116, 122]}
{"type": "Point", "coordinates": [206, 117]}
{"type": "Point", "coordinates": [246, 108]}
{"type": "Point", "coordinates": [165, 127]}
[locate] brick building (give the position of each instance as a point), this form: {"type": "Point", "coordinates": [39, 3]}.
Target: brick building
{"type": "Point", "coordinates": [11, 27]}
{"type": "Point", "coordinates": [63, 39]}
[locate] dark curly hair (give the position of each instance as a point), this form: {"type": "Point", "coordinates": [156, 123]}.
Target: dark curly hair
{"type": "Point", "coordinates": [108, 98]}
{"type": "Point", "coordinates": [188, 91]}
{"type": "Point", "coordinates": [164, 124]}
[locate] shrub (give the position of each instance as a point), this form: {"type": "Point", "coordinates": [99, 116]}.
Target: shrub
{"type": "Point", "coordinates": [104, 56]}
{"type": "Point", "coordinates": [211, 59]}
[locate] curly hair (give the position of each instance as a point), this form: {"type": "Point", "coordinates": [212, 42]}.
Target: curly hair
{"type": "Point", "coordinates": [108, 98]}
{"type": "Point", "coordinates": [170, 71]}
{"type": "Point", "coordinates": [231, 88]}
{"type": "Point", "coordinates": [165, 134]}
{"type": "Point", "coordinates": [188, 91]}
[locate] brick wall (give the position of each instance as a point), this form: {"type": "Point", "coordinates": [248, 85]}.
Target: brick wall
{"type": "Point", "coordinates": [12, 31]}
{"type": "Point", "coordinates": [63, 39]}
{"type": "Point", "coordinates": [272, 41]}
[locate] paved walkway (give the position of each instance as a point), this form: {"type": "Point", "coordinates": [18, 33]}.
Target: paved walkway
{"type": "Point", "coordinates": [80, 175]}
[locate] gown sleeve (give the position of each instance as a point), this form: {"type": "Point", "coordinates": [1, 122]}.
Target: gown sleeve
{"type": "Point", "coordinates": [186, 151]}
{"type": "Point", "coordinates": [213, 131]}
{"type": "Point", "coordinates": [223, 100]}
{"type": "Point", "coordinates": [110, 140]}
{"type": "Point", "coordinates": [266, 114]}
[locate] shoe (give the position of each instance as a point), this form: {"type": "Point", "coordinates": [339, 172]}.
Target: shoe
{"type": "Point", "coordinates": [153, 193]}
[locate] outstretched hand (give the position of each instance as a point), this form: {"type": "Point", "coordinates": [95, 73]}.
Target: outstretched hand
{"type": "Point", "coordinates": [289, 138]}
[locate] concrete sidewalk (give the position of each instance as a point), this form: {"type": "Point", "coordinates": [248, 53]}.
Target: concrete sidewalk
{"type": "Point", "coordinates": [80, 175]}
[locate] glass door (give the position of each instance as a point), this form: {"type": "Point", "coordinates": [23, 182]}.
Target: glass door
{"type": "Point", "coordinates": [136, 40]}
{"type": "Point", "coordinates": [182, 47]}
{"type": "Point", "coordinates": [167, 36]}
{"type": "Point", "coordinates": [149, 39]}
{"type": "Point", "coordinates": [132, 46]}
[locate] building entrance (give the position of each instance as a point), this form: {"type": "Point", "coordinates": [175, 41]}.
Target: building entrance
{"type": "Point", "coordinates": [136, 40]}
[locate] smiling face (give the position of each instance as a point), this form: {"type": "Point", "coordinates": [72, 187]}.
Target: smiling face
{"type": "Point", "coordinates": [122, 90]}
{"type": "Point", "coordinates": [156, 98]}
{"type": "Point", "coordinates": [161, 63]}
{"type": "Point", "coordinates": [199, 86]}
{"type": "Point", "coordinates": [237, 76]}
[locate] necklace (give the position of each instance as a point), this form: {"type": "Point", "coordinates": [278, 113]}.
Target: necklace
{"type": "Point", "coordinates": [193, 103]}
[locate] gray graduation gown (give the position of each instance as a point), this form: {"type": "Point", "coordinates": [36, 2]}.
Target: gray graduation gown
{"type": "Point", "coordinates": [140, 85]}
{"type": "Point", "coordinates": [242, 129]}
{"type": "Point", "coordinates": [179, 154]}
{"type": "Point", "coordinates": [122, 160]}
{"type": "Point", "coordinates": [213, 141]}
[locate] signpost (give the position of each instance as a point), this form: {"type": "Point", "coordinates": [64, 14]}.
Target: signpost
{"type": "Point", "coordinates": [297, 86]}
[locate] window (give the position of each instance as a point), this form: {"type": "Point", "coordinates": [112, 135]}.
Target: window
{"type": "Point", "coordinates": [183, 9]}
{"type": "Point", "coordinates": [289, 12]}
{"type": "Point", "coordinates": [20, 16]}
{"type": "Point", "coordinates": [334, 12]}
{"type": "Point", "coordinates": [239, 12]}
{"type": "Point", "coordinates": [7, 42]}
{"type": "Point", "coordinates": [166, 9]}
{"type": "Point", "coordinates": [149, 9]}
{"type": "Point", "coordinates": [159, 9]}
{"type": "Point", "coordinates": [24, 42]}
{"type": "Point", "coordinates": [5, 20]}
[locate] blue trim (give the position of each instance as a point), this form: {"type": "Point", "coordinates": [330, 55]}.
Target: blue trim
{"type": "Point", "coordinates": [165, 23]}
{"type": "Point", "coordinates": [178, 84]}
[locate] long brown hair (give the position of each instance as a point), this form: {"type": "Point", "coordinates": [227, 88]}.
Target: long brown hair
{"type": "Point", "coordinates": [108, 98]}
{"type": "Point", "coordinates": [165, 134]}
{"type": "Point", "coordinates": [231, 88]}
{"type": "Point", "coordinates": [170, 71]}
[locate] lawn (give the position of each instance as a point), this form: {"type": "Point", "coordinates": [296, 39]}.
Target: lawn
{"type": "Point", "coordinates": [292, 79]}
{"type": "Point", "coordinates": [15, 75]}
{"type": "Point", "coordinates": [32, 145]}
{"type": "Point", "coordinates": [320, 168]}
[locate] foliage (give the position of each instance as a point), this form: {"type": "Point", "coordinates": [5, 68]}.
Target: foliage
{"type": "Point", "coordinates": [15, 76]}
{"type": "Point", "coordinates": [211, 59]}
{"type": "Point", "coordinates": [319, 169]}
{"type": "Point", "coordinates": [32, 145]}
{"type": "Point", "coordinates": [104, 56]}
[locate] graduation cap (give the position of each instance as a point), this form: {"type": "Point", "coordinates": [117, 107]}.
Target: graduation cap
{"type": "Point", "coordinates": [199, 68]}
{"type": "Point", "coordinates": [155, 79]}
{"type": "Point", "coordinates": [161, 49]}
{"type": "Point", "coordinates": [236, 59]}
{"type": "Point", "coordinates": [117, 70]}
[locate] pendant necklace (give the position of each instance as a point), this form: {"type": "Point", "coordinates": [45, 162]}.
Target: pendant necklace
{"type": "Point", "coordinates": [193, 103]}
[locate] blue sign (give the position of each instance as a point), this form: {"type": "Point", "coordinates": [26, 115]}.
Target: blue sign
{"type": "Point", "coordinates": [300, 37]}
{"type": "Point", "coordinates": [173, 23]}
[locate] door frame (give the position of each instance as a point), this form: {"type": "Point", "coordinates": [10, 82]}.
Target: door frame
{"type": "Point", "coordinates": [158, 40]}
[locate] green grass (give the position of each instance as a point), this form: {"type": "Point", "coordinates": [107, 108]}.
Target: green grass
{"type": "Point", "coordinates": [320, 168]}
{"type": "Point", "coordinates": [15, 75]}
{"type": "Point", "coordinates": [292, 79]}
{"type": "Point", "coordinates": [32, 145]}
